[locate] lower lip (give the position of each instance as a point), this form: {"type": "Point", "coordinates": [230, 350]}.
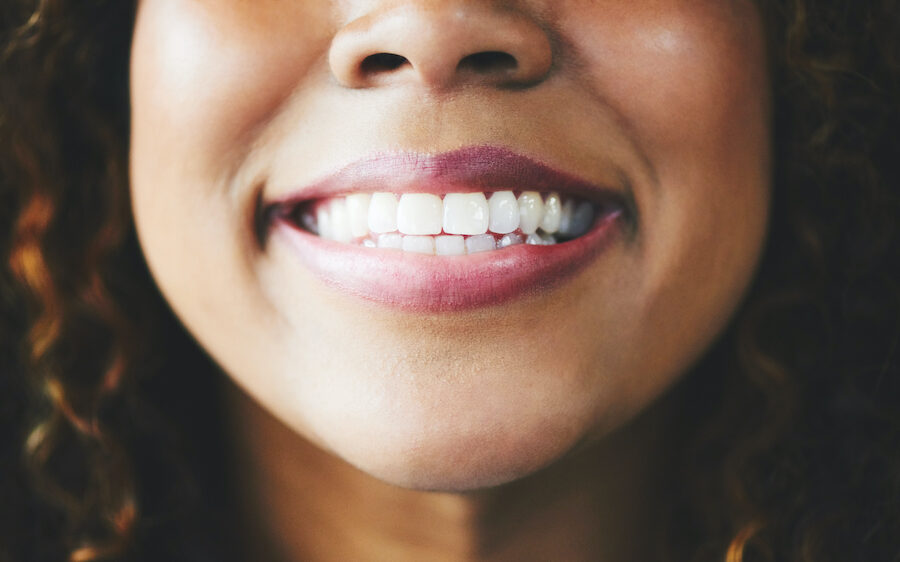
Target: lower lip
{"type": "Point", "coordinates": [421, 283]}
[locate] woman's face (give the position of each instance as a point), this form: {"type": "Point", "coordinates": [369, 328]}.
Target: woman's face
{"type": "Point", "coordinates": [252, 120]}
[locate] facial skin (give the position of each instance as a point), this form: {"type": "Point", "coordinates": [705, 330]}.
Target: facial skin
{"type": "Point", "coordinates": [233, 101]}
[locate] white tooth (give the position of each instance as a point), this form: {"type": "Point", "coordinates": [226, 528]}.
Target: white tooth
{"type": "Point", "coordinates": [465, 213]}
{"type": "Point", "coordinates": [323, 222]}
{"type": "Point", "coordinates": [392, 240]}
{"type": "Point", "coordinates": [534, 240]}
{"type": "Point", "coordinates": [552, 214]}
{"type": "Point", "coordinates": [369, 243]}
{"type": "Point", "coordinates": [419, 244]}
{"type": "Point", "coordinates": [510, 240]}
{"type": "Point", "coordinates": [480, 243]}
{"type": "Point", "coordinates": [565, 217]}
{"type": "Point", "coordinates": [548, 239]}
{"type": "Point", "coordinates": [504, 212]}
{"type": "Point", "coordinates": [531, 211]}
{"type": "Point", "coordinates": [383, 212]}
{"type": "Point", "coordinates": [340, 222]}
{"type": "Point", "coordinates": [358, 213]}
{"type": "Point", "coordinates": [419, 213]}
{"type": "Point", "coordinates": [450, 245]}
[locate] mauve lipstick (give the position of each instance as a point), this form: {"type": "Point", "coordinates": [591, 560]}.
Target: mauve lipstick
{"type": "Point", "coordinates": [433, 284]}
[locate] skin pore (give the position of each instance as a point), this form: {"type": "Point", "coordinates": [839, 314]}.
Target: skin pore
{"type": "Point", "coordinates": [493, 431]}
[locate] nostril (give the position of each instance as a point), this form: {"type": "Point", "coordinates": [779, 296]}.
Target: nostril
{"type": "Point", "coordinates": [382, 62]}
{"type": "Point", "coordinates": [488, 62]}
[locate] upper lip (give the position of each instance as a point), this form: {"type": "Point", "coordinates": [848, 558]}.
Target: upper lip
{"type": "Point", "coordinates": [474, 168]}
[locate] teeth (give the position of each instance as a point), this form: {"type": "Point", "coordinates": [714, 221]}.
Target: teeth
{"type": "Point", "coordinates": [340, 222]}
{"type": "Point", "coordinates": [580, 222]}
{"type": "Point", "coordinates": [323, 222]}
{"type": "Point", "coordinates": [552, 213]}
{"type": "Point", "coordinates": [419, 213]}
{"type": "Point", "coordinates": [504, 212]}
{"type": "Point", "coordinates": [358, 213]}
{"type": "Point", "coordinates": [465, 213]}
{"type": "Point", "coordinates": [461, 223]}
{"type": "Point", "coordinates": [480, 243]}
{"type": "Point", "coordinates": [509, 240]}
{"type": "Point", "coordinates": [565, 216]}
{"type": "Point", "coordinates": [383, 212]}
{"type": "Point", "coordinates": [531, 211]}
{"type": "Point", "coordinates": [418, 244]}
{"type": "Point", "coordinates": [392, 240]}
{"type": "Point", "coordinates": [450, 245]}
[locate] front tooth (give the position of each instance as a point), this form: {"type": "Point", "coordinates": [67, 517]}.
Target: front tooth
{"type": "Point", "coordinates": [419, 213]}
{"type": "Point", "coordinates": [480, 243]}
{"type": "Point", "coordinates": [465, 213]}
{"type": "Point", "coordinates": [552, 214]}
{"type": "Point", "coordinates": [504, 212]}
{"type": "Point", "coordinates": [383, 212]}
{"type": "Point", "coordinates": [419, 244]}
{"type": "Point", "coordinates": [531, 211]}
{"type": "Point", "coordinates": [358, 213]}
{"type": "Point", "coordinates": [391, 240]}
{"type": "Point", "coordinates": [450, 245]}
{"type": "Point", "coordinates": [340, 222]}
{"type": "Point", "coordinates": [323, 222]}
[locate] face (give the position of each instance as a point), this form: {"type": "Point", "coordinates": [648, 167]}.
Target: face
{"type": "Point", "coordinates": [273, 142]}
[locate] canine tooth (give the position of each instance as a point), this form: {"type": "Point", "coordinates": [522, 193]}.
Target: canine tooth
{"type": "Point", "coordinates": [465, 213]}
{"type": "Point", "coordinates": [531, 211]}
{"type": "Point", "coordinates": [450, 245]}
{"type": "Point", "coordinates": [383, 212]}
{"type": "Point", "coordinates": [480, 243]}
{"type": "Point", "coordinates": [358, 213]}
{"type": "Point", "coordinates": [340, 222]}
{"type": "Point", "coordinates": [504, 212]}
{"type": "Point", "coordinates": [390, 240]}
{"type": "Point", "coordinates": [509, 240]}
{"type": "Point", "coordinates": [419, 244]}
{"type": "Point", "coordinates": [534, 240]}
{"type": "Point", "coordinates": [552, 214]}
{"type": "Point", "coordinates": [565, 217]}
{"type": "Point", "coordinates": [323, 222]}
{"type": "Point", "coordinates": [419, 214]}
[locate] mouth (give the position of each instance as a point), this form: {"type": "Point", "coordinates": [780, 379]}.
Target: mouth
{"type": "Point", "coordinates": [452, 231]}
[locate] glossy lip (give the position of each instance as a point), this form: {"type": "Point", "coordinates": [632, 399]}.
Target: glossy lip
{"type": "Point", "coordinates": [433, 284]}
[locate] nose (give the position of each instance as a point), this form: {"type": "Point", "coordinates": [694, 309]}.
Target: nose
{"type": "Point", "coordinates": [441, 45]}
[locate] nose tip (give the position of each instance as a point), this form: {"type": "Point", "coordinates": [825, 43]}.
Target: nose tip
{"type": "Point", "coordinates": [441, 45]}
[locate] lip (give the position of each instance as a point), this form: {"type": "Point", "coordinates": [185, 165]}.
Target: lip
{"type": "Point", "coordinates": [420, 283]}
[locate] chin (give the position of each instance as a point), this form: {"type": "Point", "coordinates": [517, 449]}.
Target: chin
{"type": "Point", "coordinates": [452, 450]}
{"type": "Point", "coordinates": [459, 463]}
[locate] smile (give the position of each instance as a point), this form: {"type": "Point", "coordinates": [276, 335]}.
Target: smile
{"type": "Point", "coordinates": [453, 231]}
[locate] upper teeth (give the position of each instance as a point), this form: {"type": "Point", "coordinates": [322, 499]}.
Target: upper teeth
{"type": "Point", "coordinates": [459, 223]}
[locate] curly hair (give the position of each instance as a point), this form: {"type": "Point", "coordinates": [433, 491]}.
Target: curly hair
{"type": "Point", "coordinates": [791, 444]}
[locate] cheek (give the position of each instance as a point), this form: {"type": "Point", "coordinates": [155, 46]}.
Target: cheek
{"type": "Point", "coordinates": [204, 78]}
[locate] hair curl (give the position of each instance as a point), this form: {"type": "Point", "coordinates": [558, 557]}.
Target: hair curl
{"type": "Point", "coordinates": [792, 441]}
